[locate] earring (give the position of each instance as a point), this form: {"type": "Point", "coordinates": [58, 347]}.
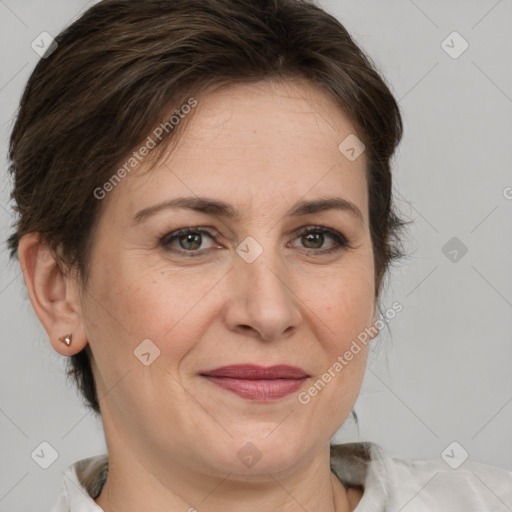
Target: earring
{"type": "Point", "coordinates": [66, 339]}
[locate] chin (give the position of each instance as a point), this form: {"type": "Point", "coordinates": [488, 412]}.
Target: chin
{"type": "Point", "coordinates": [252, 455]}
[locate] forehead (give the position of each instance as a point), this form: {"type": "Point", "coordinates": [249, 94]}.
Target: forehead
{"type": "Point", "coordinates": [269, 141]}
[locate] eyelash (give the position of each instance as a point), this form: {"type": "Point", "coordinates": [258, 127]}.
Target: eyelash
{"type": "Point", "coordinates": [341, 243]}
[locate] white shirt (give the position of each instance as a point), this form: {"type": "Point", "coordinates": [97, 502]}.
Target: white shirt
{"type": "Point", "coordinates": [391, 484]}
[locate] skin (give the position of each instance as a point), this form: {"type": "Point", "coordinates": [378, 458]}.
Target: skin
{"type": "Point", "coordinates": [171, 435]}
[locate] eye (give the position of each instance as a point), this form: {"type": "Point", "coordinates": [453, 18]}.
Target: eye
{"type": "Point", "coordinates": [314, 238]}
{"type": "Point", "coordinates": [188, 240]}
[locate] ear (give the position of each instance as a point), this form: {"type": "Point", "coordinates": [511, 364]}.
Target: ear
{"type": "Point", "coordinates": [54, 296]}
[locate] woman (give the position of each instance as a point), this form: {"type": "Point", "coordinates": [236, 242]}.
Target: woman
{"type": "Point", "coordinates": [205, 224]}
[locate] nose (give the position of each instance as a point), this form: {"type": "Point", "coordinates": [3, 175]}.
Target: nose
{"type": "Point", "coordinates": [262, 301]}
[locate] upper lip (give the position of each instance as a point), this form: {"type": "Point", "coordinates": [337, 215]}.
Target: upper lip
{"type": "Point", "coordinates": [255, 372]}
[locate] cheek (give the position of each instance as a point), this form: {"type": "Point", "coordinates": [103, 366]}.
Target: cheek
{"type": "Point", "coordinates": [343, 311]}
{"type": "Point", "coordinates": [137, 302]}
{"type": "Point", "coordinates": [344, 303]}
{"type": "Point", "coordinates": [128, 304]}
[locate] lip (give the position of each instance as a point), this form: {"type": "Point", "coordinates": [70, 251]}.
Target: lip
{"type": "Point", "coordinates": [258, 382]}
{"type": "Point", "coordinates": [255, 372]}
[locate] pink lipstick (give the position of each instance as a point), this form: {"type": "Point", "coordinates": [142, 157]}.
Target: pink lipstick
{"type": "Point", "coordinates": [258, 382]}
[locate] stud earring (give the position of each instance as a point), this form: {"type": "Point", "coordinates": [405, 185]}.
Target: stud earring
{"type": "Point", "coordinates": [66, 339]}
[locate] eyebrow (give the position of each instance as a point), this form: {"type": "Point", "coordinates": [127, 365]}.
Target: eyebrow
{"type": "Point", "coordinates": [226, 210]}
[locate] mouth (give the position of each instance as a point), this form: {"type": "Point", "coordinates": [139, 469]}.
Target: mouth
{"type": "Point", "coordinates": [258, 382]}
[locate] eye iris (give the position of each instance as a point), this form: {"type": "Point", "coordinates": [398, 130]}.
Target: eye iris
{"type": "Point", "coordinates": [314, 237]}
{"type": "Point", "coordinates": [189, 238]}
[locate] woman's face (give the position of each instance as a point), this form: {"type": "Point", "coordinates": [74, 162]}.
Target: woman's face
{"type": "Point", "coordinates": [266, 287]}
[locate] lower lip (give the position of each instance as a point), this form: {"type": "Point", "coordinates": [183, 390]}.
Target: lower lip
{"type": "Point", "coordinates": [262, 390]}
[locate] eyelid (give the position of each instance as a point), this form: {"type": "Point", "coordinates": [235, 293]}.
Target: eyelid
{"type": "Point", "coordinates": [174, 235]}
{"type": "Point", "coordinates": [341, 241]}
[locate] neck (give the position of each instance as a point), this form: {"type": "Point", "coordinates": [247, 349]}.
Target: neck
{"type": "Point", "coordinates": [134, 484]}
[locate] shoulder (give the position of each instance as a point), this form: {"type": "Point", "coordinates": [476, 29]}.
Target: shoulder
{"type": "Point", "coordinates": [471, 486]}
{"type": "Point", "coordinates": [421, 485]}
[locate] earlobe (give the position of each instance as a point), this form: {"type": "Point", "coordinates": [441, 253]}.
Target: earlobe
{"type": "Point", "coordinates": [54, 296]}
{"type": "Point", "coordinates": [66, 339]}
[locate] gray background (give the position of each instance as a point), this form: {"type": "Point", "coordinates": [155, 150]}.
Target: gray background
{"type": "Point", "coordinates": [444, 373]}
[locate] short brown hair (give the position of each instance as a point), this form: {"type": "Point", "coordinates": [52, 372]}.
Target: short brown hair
{"type": "Point", "coordinates": [124, 63]}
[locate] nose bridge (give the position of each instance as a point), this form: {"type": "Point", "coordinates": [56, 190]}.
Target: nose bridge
{"type": "Point", "coordinates": [265, 300]}
{"type": "Point", "coordinates": [267, 274]}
